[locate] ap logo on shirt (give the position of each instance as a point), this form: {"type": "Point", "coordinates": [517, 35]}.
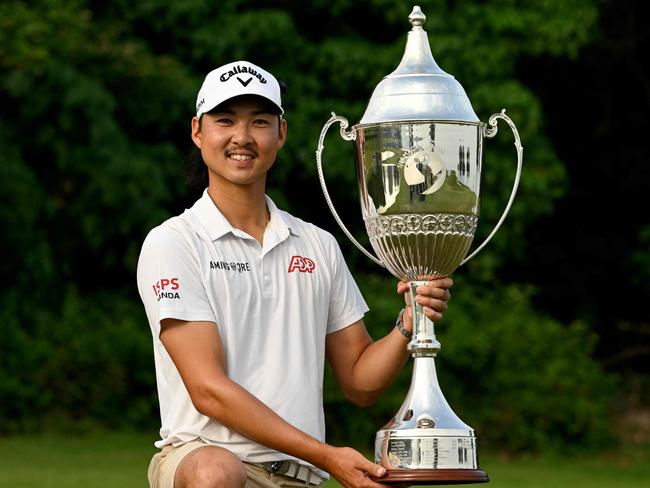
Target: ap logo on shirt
{"type": "Point", "coordinates": [303, 265]}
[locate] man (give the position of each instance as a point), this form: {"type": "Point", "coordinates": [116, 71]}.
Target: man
{"type": "Point", "coordinates": [245, 302]}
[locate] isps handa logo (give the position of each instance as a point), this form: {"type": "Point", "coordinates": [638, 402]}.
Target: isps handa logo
{"type": "Point", "coordinates": [166, 288]}
{"type": "Point", "coordinates": [303, 265]}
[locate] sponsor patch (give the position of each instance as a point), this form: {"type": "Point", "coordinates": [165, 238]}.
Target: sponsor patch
{"type": "Point", "coordinates": [166, 288]}
{"type": "Point", "coordinates": [301, 264]}
{"type": "Point", "coordinates": [230, 266]}
{"type": "Point", "coordinates": [245, 70]}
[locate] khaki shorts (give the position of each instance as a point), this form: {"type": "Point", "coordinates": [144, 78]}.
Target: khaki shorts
{"type": "Point", "coordinates": [162, 470]}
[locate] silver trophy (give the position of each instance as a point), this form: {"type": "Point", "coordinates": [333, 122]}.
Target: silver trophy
{"type": "Point", "coordinates": [418, 151]}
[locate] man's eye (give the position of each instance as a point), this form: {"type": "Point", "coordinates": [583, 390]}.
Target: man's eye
{"type": "Point", "coordinates": [262, 122]}
{"type": "Point", "coordinates": [223, 121]}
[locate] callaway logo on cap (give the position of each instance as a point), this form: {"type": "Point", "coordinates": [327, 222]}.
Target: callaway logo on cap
{"type": "Point", "coordinates": [235, 79]}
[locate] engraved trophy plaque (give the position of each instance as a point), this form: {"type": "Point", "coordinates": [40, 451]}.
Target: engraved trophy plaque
{"type": "Point", "coordinates": [418, 151]}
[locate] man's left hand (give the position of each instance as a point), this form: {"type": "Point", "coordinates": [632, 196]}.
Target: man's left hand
{"type": "Point", "coordinates": [434, 298]}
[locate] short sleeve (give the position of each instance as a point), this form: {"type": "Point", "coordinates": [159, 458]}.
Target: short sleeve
{"type": "Point", "coordinates": [346, 302]}
{"type": "Point", "coordinates": [169, 279]}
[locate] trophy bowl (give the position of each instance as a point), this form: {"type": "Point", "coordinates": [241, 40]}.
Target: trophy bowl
{"type": "Point", "coordinates": [419, 203]}
{"type": "Point", "coordinates": [418, 153]}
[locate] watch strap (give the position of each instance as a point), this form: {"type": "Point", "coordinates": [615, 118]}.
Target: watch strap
{"type": "Point", "coordinates": [400, 326]}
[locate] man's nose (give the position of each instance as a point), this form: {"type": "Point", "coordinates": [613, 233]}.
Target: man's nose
{"type": "Point", "coordinates": [241, 134]}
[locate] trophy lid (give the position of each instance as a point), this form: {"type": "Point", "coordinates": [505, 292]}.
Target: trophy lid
{"type": "Point", "coordinates": [418, 89]}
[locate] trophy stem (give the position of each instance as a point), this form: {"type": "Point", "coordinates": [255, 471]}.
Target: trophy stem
{"type": "Point", "coordinates": [424, 342]}
{"type": "Point", "coordinates": [425, 405]}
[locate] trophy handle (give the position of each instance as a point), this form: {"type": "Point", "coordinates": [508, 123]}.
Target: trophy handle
{"type": "Point", "coordinates": [490, 132]}
{"type": "Point", "coordinates": [348, 136]}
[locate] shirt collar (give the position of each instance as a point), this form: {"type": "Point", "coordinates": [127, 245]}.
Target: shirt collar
{"type": "Point", "coordinates": [217, 225]}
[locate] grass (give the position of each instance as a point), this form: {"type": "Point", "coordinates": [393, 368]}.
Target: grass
{"type": "Point", "coordinates": [117, 460]}
{"type": "Point", "coordinates": [120, 460]}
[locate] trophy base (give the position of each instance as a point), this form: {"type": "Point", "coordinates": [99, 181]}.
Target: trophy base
{"type": "Point", "coordinates": [407, 477]}
{"type": "Point", "coordinates": [428, 456]}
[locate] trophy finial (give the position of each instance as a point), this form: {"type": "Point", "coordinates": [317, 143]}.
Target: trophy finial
{"type": "Point", "coordinates": [417, 17]}
{"type": "Point", "coordinates": [418, 89]}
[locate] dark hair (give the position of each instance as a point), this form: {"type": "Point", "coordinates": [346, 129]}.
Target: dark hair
{"type": "Point", "coordinates": [195, 170]}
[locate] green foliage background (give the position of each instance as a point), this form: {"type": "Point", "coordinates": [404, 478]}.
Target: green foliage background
{"type": "Point", "coordinates": [95, 104]}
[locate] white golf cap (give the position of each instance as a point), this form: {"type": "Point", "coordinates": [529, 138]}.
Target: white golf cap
{"type": "Point", "coordinates": [235, 79]}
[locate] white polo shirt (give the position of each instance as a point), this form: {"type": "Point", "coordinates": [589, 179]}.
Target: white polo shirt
{"type": "Point", "coordinates": [273, 307]}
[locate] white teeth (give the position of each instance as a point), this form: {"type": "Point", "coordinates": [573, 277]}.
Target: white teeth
{"type": "Point", "coordinates": [240, 157]}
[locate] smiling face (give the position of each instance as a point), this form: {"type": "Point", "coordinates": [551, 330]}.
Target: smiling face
{"type": "Point", "coordinates": [239, 141]}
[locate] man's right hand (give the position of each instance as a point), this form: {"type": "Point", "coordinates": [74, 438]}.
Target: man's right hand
{"type": "Point", "coordinates": [351, 469]}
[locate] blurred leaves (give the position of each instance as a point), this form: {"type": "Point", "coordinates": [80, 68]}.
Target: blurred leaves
{"type": "Point", "coordinates": [86, 360]}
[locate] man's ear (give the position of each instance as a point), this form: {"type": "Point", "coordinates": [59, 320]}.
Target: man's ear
{"type": "Point", "coordinates": [196, 132]}
{"type": "Point", "coordinates": [283, 131]}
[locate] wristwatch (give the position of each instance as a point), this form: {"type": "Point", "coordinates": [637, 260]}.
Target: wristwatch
{"type": "Point", "coordinates": [400, 326]}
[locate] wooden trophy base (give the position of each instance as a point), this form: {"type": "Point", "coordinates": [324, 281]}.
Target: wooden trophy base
{"type": "Point", "coordinates": [408, 477]}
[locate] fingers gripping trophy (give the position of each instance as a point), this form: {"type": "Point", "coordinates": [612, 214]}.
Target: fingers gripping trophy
{"type": "Point", "coordinates": [418, 151]}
